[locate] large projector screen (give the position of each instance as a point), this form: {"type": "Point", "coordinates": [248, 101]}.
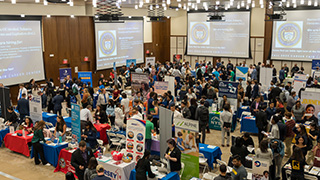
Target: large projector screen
{"type": "Point", "coordinates": [229, 38]}
{"type": "Point", "coordinates": [20, 52]}
{"type": "Point", "coordinates": [298, 38]}
{"type": "Point", "coordinates": [117, 42]}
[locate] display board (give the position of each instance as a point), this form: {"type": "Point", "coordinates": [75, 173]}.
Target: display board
{"type": "Point", "coordinates": [75, 123]}
{"type": "Point", "coordinates": [300, 81]}
{"type": "Point", "coordinates": [35, 108]}
{"type": "Point", "coordinates": [229, 38]}
{"type": "Point", "coordinates": [242, 72]}
{"type": "Point", "coordinates": [298, 37]}
{"type": "Point", "coordinates": [170, 80]}
{"type": "Point", "coordinates": [160, 87]}
{"type": "Point", "coordinates": [117, 42]}
{"type": "Point", "coordinates": [151, 60]}
{"type": "Point", "coordinates": [140, 83]}
{"type": "Point", "coordinates": [64, 72]}
{"type": "Point", "coordinates": [136, 131]}
{"type": "Point", "coordinates": [20, 51]}
{"type": "Point", "coordinates": [260, 169]}
{"type": "Point", "coordinates": [311, 98]}
{"type": "Point", "coordinates": [86, 76]}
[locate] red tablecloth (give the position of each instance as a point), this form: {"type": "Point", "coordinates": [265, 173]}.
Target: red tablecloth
{"type": "Point", "coordinates": [17, 143]}
{"type": "Point", "coordinates": [102, 129]}
{"type": "Point", "coordinates": [64, 163]}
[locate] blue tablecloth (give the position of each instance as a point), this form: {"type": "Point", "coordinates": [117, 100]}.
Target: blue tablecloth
{"type": "Point", "coordinates": [170, 176]}
{"type": "Point", "coordinates": [210, 154]}
{"type": "Point", "coordinates": [243, 109]}
{"type": "Point", "coordinates": [68, 121]}
{"type": "Point", "coordinates": [49, 117]}
{"type": "Point", "coordinates": [3, 133]}
{"type": "Point", "coordinates": [248, 124]}
{"type": "Point", "coordinates": [51, 153]}
{"type": "Point", "coordinates": [95, 99]}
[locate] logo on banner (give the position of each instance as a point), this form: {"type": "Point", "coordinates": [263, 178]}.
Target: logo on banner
{"type": "Point", "coordinates": [113, 175]}
{"type": "Point", "coordinates": [200, 33]}
{"type": "Point", "coordinates": [289, 35]}
{"type": "Point", "coordinates": [108, 43]}
{"type": "Point", "coordinates": [257, 163]}
{"type": "Point", "coordinates": [62, 163]}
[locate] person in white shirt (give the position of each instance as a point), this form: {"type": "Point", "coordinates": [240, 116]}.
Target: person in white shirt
{"type": "Point", "coordinates": [139, 70]}
{"type": "Point", "coordinates": [85, 115]}
{"type": "Point", "coordinates": [136, 114]}
{"type": "Point", "coordinates": [119, 116]}
{"type": "Point", "coordinates": [125, 104]}
{"type": "Point", "coordinates": [22, 90]}
{"type": "Point", "coordinates": [103, 99]}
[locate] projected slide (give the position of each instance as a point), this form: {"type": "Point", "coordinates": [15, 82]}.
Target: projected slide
{"type": "Point", "coordinates": [229, 38]}
{"type": "Point", "coordinates": [298, 38]}
{"type": "Point", "coordinates": [20, 52]}
{"type": "Point", "coordinates": [117, 42]}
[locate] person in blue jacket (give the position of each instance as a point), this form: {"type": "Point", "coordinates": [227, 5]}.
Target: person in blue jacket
{"type": "Point", "coordinates": [90, 135]}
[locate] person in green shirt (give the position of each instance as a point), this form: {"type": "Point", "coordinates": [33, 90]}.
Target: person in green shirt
{"type": "Point", "coordinates": [37, 147]}
{"type": "Point", "coordinates": [231, 77]}
{"type": "Point", "coordinates": [149, 131]}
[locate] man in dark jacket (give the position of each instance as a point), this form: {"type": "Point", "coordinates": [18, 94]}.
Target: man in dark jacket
{"type": "Point", "coordinates": [23, 107]}
{"type": "Point", "coordinates": [223, 173]}
{"type": "Point", "coordinates": [57, 100]}
{"type": "Point", "coordinates": [255, 106]}
{"type": "Point", "coordinates": [80, 159]}
{"type": "Point", "coordinates": [202, 114]}
{"type": "Point", "coordinates": [261, 121]}
{"type": "Point", "coordinates": [185, 110]}
{"type": "Point", "coordinates": [255, 91]}
{"type": "Point", "coordinates": [275, 92]}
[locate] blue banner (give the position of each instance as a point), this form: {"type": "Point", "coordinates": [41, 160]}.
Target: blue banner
{"type": "Point", "coordinates": [75, 122]}
{"type": "Point", "coordinates": [85, 76]}
{"type": "Point", "coordinates": [130, 61]}
{"type": "Point", "coordinates": [230, 89]}
{"type": "Point", "coordinates": [114, 66]}
{"type": "Point", "coordinates": [315, 64]}
{"type": "Point", "coordinates": [64, 72]}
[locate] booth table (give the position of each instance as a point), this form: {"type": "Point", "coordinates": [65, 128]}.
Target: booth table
{"type": "Point", "coordinates": [170, 176]}
{"type": "Point", "coordinates": [116, 171]}
{"type": "Point", "coordinates": [64, 162]}
{"type": "Point", "coordinates": [3, 133]}
{"type": "Point", "coordinates": [210, 153]}
{"type": "Point", "coordinates": [243, 109]}
{"type": "Point", "coordinates": [102, 129]}
{"type": "Point", "coordinates": [17, 143]}
{"type": "Point", "coordinates": [49, 117]}
{"type": "Point", "coordinates": [215, 123]}
{"type": "Point", "coordinates": [51, 152]}
{"type": "Point", "coordinates": [248, 124]}
{"type": "Point", "coordinates": [283, 173]}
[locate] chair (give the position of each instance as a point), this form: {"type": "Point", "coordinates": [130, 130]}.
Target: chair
{"type": "Point", "coordinates": [100, 142]}
{"type": "Point", "coordinates": [114, 140]}
{"type": "Point", "coordinates": [203, 162]}
{"type": "Point", "coordinates": [221, 162]}
{"type": "Point", "coordinates": [182, 169]}
{"type": "Point", "coordinates": [207, 176]}
{"type": "Point", "coordinates": [309, 177]}
{"type": "Point", "coordinates": [49, 125]}
{"type": "Point", "coordinates": [288, 174]}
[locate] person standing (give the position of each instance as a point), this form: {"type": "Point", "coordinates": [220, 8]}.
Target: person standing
{"type": "Point", "coordinates": [281, 75]}
{"type": "Point", "coordinates": [223, 173]}
{"type": "Point", "coordinates": [202, 115]}
{"type": "Point", "coordinates": [57, 100]}
{"type": "Point", "coordinates": [238, 171]}
{"type": "Point", "coordinates": [37, 147]}
{"type": "Point", "coordinates": [173, 155]}
{"type": "Point", "coordinates": [90, 171]}
{"type": "Point", "coordinates": [110, 111]}
{"type": "Point", "coordinates": [22, 90]}
{"type": "Point", "coordinates": [290, 124]}
{"type": "Point", "coordinates": [226, 121]}
{"type": "Point", "coordinates": [261, 121]}
{"type": "Point", "coordinates": [149, 132]}
{"type": "Point", "coordinates": [297, 162]}
{"type": "Point", "coordinates": [125, 104]}
{"type": "Point", "coordinates": [103, 99]}
{"type": "Point", "coordinates": [264, 152]}
{"type": "Point", "coordinates": [143, 167]}
{"type": "Point", "coordinates": [185, 110]}
{"type": "Point", "coordinates": [85, 115]}
{"type": "Point", "coordinates": [80, 159]}
{"type": "Point", "coordinates": [23, 107]}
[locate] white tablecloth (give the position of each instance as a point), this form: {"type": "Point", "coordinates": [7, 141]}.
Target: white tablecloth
{"type": "Point", "coordinates": [116, 171]}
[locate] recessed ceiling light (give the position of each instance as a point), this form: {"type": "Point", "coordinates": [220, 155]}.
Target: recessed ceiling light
{"type": "Point", "coordinates": [72, 16]}
{"type": "Point", "coordinates": [48, 16]}
{"type": "Point", "coordinates": [13, 1]}
{"type": "Point", "coordinates": [22, 15]}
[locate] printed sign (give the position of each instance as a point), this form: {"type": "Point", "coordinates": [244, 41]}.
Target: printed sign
{"type": "Point", "coordinates": [242, 72]}
{"type": "Point", "coordinates": [160, 87]}
{"type": "Point", "coordinates": [151, 60]}
{"type": "Point", "coordinates": [315, 64]}
{"type": "Point", "coordinates": [64, 72]}
{"type": "Point", "coordinates": [130, 61]}
{"type": "Point", "coordinates": [230, 89]}
{"type": "Point", "coordinates": [139, 83]}
{"type": "Point", "coordinates": [85, 76]}
{"type": "Point", "coordinates": [300, 81]}
{"type": "Point", "coordinates": [75, 122]}
{"type": "Point", "coordinates": [136, 131]}
{"type": "Point", "coordinates": [177, 57]}
{"type": "Point", "coordinates": [311, 100]}
{"type": "Point", "coordinates": [260, 169]}
{"type": "Point", "coordinates": [35, 108]}
{"type": "Point", "coordinates": [214, 121]}
{"type": "Point", "coordinates": [170, 80]}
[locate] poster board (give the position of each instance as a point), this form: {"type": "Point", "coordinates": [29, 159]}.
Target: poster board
{"type": "Point", "coordinates": [64, 72]}
{"type": "Point", "coordinates": [311, 97]}
{"type": "Point", "coordinates": [242, 72]}
{"type": "Point", "coordinates": [160, 87]}
{"type": "Point", "coordinates": [151, 60]}
{"type": "Point", "coordinates": [139, 82]}
{"type": "Point", "coordinates": [186, 132]}
{"type": "Point", "coordinates": [260, 169]}
{"type": "Point", "coordinates": [135, 144]}
{"type": "Point", "coordinates": [300, 81]}
{"type": "Point", "coordinates": [170, 80]}
{"type": "Point", "coordinates": [86, 76]}
{"type": "Point", "coordinates": [130, 61]}
{"type": "Point", "coordinates": [315, 64]}
{"type": "Point", "coordinates": [230, 89]}
{"type": "Point", "coordinates": [35, 108]}
{"type": "Point", "coordinates": [75, 122]}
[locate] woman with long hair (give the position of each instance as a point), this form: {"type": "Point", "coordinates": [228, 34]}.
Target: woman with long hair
{"type": "Point", "coordinates": [61, 128]}
{"type": "Point", "coordinates": [28, 124]}
{"type": "Point", "coordinates": [143, 167]}
{"type": "Point", "coordinates": [193, 108]}
{"type": "Point", "coordinates": [116, 93]}
{"type": "Point", "coordinates": [297, 162]}
{"type": "Point", "coordinates": [173, 155]}
{"type": "Point", "coordinates": [155, 114]}
{"type": "Point", "coordinates": [85, 98]}
{"type": "Point", "coordinates": [37, 147]}
{"type": "Point", "coordinates": [298, 112]}
{"type": "Point", "coordinates": [90, 135]}
{"type": "Point", "coordinates": [90, 172]}
{"type": "Point", "coordinates": [313, 136]}
{"type": "Point", "coordinates": [264, 152]}
{"type": "Point", "coordinates": [100, 115]}
{"type": "Point", "coordinates": [110, 111]}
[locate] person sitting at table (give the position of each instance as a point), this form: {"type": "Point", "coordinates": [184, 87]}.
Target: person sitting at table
{"type": "Point", "coordinates": [173, 155]}
{"type": "Point", "coordinates": [70, 176]}
{"type": "Point", "coordinates": [110, 111]}
{"type": "Point", "coordinates": [100, 115]}
{"type": "Point", "coordinates": [238, 171]}
{"type": "Point", "coordinates": [297, 162]}
{"type": "Point", "coordinates": [255, 106]}
{"type": "Point", "coordinates": [61, 127]}
{"type": "Point", "coordinates": [316, 152]}
{"type": "Point", "coordinates": [12, 118]}
{"type": "Point", "coordinates": [143, 167]}
{"type": "Point", "coordinates": [100, 173]}
{"type": "Point", "coordinates": [37, 147]}
{"type": "Point", "coordinates": [223, 173]}
{"type": "Point", "coordinates": [28, 124]}
{"type": "Point", "coordinates": [90, 135]}
{"type": "Point", "coordinates": [119, 116]}
{"type": "Point", "coordinates": [239, 149]}
{"type": "Point", "coordinates": [247, 140]}
{"type": "Point", "coordinates": [80, 159]}
{"type": "Point", "coordinates": [90, 171]}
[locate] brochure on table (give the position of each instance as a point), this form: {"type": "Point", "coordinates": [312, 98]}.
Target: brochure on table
{"type": "Point", "coordinates": [35, 108]}
{"type": "Point", "coordinates": [135, 144]}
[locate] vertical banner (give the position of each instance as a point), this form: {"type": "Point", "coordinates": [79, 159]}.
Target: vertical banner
{"type": "Point", "coordinates": [115, 73]}
{"type": "Point", "coordinates": [136, 131]}
{"type": "Point", "coordinates": [86, 76]}
{"type": "Point", "coordinates": [35, 108]}
{"type": "Point", "coordinates": [315, 64]}
{"type": "Point", "coordinates": [186, 133]}
{"type": "Point", "coordinates": [160, 87]}
{"type": "Point", "coordinates": [130, 61]}
{"type": "Point", "coordinates": [260, 169]}
{"type": "Point", "coordinates": [230, 89]}
{"type": "Point", "coordinates": [139, 83]}
{"type": "Point", "coordinates": [265, 79]}
{"type": "Point", "coordinates": [75, 122]}
{"type": "Point", "coordinates": [311, 98]}
{"type": "Point", "coordinates": [64, 72]}
{"type": "Point", "coordinates": [170, 80]}
{"type": "Point", "coordinates": [151, 60]}
{"type": "Point", "coordinates": [165, 124]}
{"type": "Point", "coordinates": [242, 72]}
{"type": "Point", "coordinates": [300, 81]}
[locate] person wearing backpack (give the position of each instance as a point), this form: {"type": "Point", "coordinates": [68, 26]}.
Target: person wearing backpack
{"type": "Point", "coordinates": [75, 90]}
{"type": "Point", "coordinates": [202, 114]}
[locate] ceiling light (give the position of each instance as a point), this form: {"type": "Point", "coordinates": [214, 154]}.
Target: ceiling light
{"type": "Point", "coordinates": [309, 3]}
{"type": "Point", "coordinates": [37, 1]}
{"type": "Point", "coordinates": [48, 16]}
{"type": "Point", "coordinates": [94, 3]}
{"type": "Point", "coordinates": [22, 15]}
{"type": "Point", "coordinates": [168, 17]}
{"type": "Point", "coordinates": [45, 2]}
{"type": "Point", "coordinates": [72, 16]}
{"type": "Point", "coordinates": [13, 1]}
{"type": "Point", "coordinates": [136, 6]}
{"type": "Point", "coordinates": [294, 5]}
{"type": "Point", "coordinates": [316, 3]}
{"type": "Point", "coordinates": [198, 1]}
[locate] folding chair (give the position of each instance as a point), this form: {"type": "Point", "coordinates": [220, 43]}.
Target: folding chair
{"type": "Point", "coordinates": [182, 169]}
{"type": "Point", "coordinates": [203, 162]}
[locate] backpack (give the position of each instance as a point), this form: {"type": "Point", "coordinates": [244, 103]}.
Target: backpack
{"type": "Point", "coordinates": [203, 114]}
{"type": "Point", "coordinates": [89, 100]}
{"type": "Point", "coordinates": [75, 90]}
{"type": "Point", "coordinates": [210, 93]}
{"type": "Point", "coordinates": [73, 99]}
{"type": "Point", "coordinates": [283, 97]}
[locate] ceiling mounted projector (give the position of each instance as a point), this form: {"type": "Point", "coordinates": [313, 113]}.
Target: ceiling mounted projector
{"type": "Point", "coordinates": [58, 1]}
{"type": "Point", "coordinates": [276, 17]}
{"type": "Point", "coordinates": [212, 18]}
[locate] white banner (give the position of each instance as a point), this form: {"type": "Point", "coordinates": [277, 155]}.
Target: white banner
{"type": "Point", "coordinates": [170, 80]}
{"type": "Point", "coordinates": [160, 87]}
{"type": "Point", "coordinates": [242, 72]}
{"type": "Point", "coordinates": [151, 60]}
{"type": "Point", "coordinates": [136, 131]}
{"type": "Point", "coordinates": [300, 81]}
{"type": "Point", "coordinates": [312, 98]}
{"type": "Point", "coordinates": [265, 78]}
{"type": "Point", "coordinates": [35, 108]}
{"type": "Point", "coordinates": [260, 169]}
